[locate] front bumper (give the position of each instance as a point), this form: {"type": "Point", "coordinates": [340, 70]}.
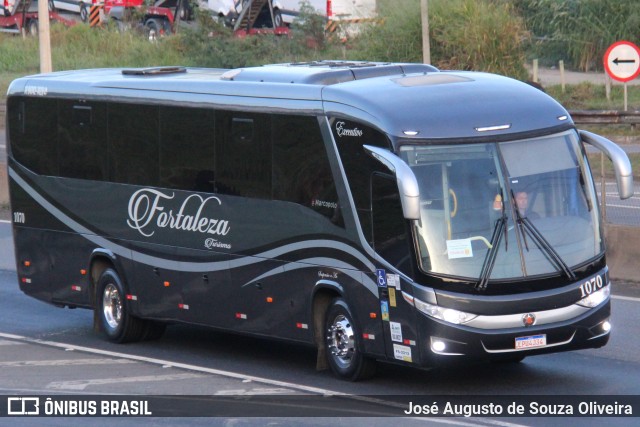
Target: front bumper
{"type": "Point", "coordinates": [443, 342]}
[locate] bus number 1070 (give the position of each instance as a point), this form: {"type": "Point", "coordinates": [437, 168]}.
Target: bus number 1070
{"type": "Point", "coordinates": [18, 217]}
{"type": "Point", "coordinates": [590, 286]}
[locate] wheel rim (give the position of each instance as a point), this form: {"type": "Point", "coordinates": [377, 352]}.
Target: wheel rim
{"type": "Point", "coordinates": [112, 306]}
{"type": "Point", "coordinates": [341, 341]}
{"type": "Point", "coordinates": [153, 34]}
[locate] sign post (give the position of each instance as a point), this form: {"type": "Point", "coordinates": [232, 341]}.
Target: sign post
{"type": "Point", "coordinates": [622, 63]}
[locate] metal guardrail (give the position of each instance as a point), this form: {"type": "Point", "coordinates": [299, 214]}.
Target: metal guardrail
{"type": "Point", "coordinates": [605, 117]}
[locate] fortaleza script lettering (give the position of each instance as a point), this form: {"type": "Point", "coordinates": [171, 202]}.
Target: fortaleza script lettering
{"type": "Point", "coordinates": [341, 131]}
{"type": "Point", "coordinates": [146, 209]}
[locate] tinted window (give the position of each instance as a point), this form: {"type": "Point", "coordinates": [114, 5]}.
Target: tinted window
{"type": "Point", "coordinates": [33, 133]}
{"type": "Point", "coordinates": [358, 164]}
{"type": "Point", "coordinates": [301, 170]}
{"type": "Point", "coordinates": [187, 148]}
{"type": "Point", "coordinates": [243, 154]}
{"type": "Point", "coordinates": [82, 136]}
{"type": "Point", "coordinates": [133, 144]}
{"type": "Point", "coordinates": [389, 226]}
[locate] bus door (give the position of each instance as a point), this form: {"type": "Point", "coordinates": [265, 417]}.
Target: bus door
{"type": "Point", "coordinates": [390, 231]}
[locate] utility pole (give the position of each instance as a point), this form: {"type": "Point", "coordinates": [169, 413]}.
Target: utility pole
{"type": "Point", "coordinates": [426, 48]}
{"type": "Point", "coordinates": [44, 36]}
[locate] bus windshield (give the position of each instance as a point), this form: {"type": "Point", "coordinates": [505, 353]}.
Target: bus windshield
{"type": "Point", "coordinates": [505, 210]}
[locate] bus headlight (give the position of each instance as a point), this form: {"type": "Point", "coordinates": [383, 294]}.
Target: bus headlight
{"type": "Point", "coordinates": [596, 298]}
{"type": "Point", "coordinates": [447, 314]}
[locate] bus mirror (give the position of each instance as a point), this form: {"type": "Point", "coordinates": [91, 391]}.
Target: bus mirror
{"type": "Point", "coordinates": [621, 164]}
{"type": "Point", "coordinates": [406, 179]}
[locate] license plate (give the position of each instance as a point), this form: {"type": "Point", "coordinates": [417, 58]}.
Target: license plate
{"type": "Point", "coordinates": [531, 342]}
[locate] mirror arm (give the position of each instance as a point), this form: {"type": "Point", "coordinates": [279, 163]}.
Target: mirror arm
{"type": "Point", "coordinates": [406, 179]}
{"type": "Point", "coordinates": [620, 160]}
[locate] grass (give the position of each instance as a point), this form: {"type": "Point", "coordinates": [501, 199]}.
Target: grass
{"type": "Point", "coordinates": [595, 160]}
{"type": "Point", "coordinates": [589, 96]}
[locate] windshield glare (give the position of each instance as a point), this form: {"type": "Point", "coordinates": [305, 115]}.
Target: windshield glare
{"type": "Point", "coordinates": [465, 191]}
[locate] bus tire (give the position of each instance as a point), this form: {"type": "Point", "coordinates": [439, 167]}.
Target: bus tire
{"type": "Point", "coordinates": [344, 344]}
{"type": "Point", "coordinates": [153, 330]}
{"type": "Point", "coordinates": [116, 321]}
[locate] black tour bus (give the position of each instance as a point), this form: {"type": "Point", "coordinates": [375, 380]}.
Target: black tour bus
{"type": "Point", "coordinates": [376, 211]}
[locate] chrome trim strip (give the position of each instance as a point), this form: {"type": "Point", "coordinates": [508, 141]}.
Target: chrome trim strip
{"type": "Point", "coordinates": [513, 350]}
{"type": "Point", "coordinates": [598, 336]}
{"type": "Point", "coordinates": [490, 128]}
{"type": "Point", "coordinates": [515, 320]}
{"type": "Point", "coordinates": [406, 179]}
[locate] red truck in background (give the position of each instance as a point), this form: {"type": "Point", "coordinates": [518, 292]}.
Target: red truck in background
{"type": "Point", "coordinates": [17, 16]}
{"type": "Point", "coordinates": [158, 18]}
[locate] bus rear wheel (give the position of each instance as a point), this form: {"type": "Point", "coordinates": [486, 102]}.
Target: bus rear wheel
{"type": "Point", "coordinates": [344, 344]}
{"type": "Point", "coordinates": [116, 321]}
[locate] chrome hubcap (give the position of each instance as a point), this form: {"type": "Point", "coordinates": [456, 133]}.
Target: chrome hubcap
{"type": "Point", "coordinates": [112, 306]}
{"type": "Point", "coordinates": [341, 340]}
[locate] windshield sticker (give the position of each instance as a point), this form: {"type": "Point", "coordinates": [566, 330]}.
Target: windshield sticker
{"type": "Point", "coordinates": [396, 331]}
{"type": "Point", "coordinates": [384, 309]}
{"type": "Point", "coordinates": [382, 278]}
{"type": "Point", "coordinates": [392, 297]}
{"type": "Point", "coordinates": [460, 248]}
{"type": "Point", "coordinates": [402, 352]}
{"type": "Point", "coordinates": [393, 281]}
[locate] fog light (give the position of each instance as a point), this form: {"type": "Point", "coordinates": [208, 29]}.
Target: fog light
{"type": "Point", "coordinates": [438, 346]}
{"type": "Point", "coordinates": [606, 326]}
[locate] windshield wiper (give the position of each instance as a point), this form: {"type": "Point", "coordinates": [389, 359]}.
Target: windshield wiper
{"type": "Point", "coordinates": [490, 259]}
{"type": "Point", "coordinates": [527, 226]}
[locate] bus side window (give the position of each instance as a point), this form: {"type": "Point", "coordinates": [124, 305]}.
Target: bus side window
{"type": "Point", "coordinates": [301, 169]}
{"type": "Point", "coordinates": [187, 151]}
{"type": "Point", "coordinates": [243, 154]}
{"type": "Point", "coordinates": [389, 226]}
{"type": "Point", "coordinates": [33, 134]}
{"type": "Point", "coordinates": [82, 136]}
{"type": "Point", "coordinates": [133, 143]}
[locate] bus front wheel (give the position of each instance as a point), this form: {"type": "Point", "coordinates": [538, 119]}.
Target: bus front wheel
{"type": "Point", "coordinates": [344, 344]}
{"type": "Point", "coordinates": [118, 324]}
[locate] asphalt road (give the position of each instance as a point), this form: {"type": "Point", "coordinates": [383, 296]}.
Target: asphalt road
{"type": "Point", "coordinates": [46, 350]}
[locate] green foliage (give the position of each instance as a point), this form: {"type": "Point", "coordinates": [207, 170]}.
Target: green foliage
{"type": "Point", "coordinates": [397, 39]}
{"type": "Point", "coordinates": [589, 96]}
{"type": "Point", "coordinates": [579, 31]}
{"type": "Point", "coordinates": [479, 35]}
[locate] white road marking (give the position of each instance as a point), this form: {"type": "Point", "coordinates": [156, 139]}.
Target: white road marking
{"type": "Point", "coordinates": [82, 384]}
{"type": "Point", "coordinates": [185, 366]}
{"type": "Point", "coordinates": [5, 221]}
{"type": "Point", "coordinates": [63, 362]}
{"type": "Point", "coordinates": [625, 298]}
{"type": "Point", "coordinates": [253, 392]}
{"type": "Point", "coordinates": [242, 377]}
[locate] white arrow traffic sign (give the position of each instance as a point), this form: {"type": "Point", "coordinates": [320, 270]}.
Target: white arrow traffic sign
{"type": "Point", "coordinates": [622, 61]}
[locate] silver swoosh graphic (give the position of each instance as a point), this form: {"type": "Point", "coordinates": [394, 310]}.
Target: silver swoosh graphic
{"type": "Point", "coordinates": [200, 266]}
